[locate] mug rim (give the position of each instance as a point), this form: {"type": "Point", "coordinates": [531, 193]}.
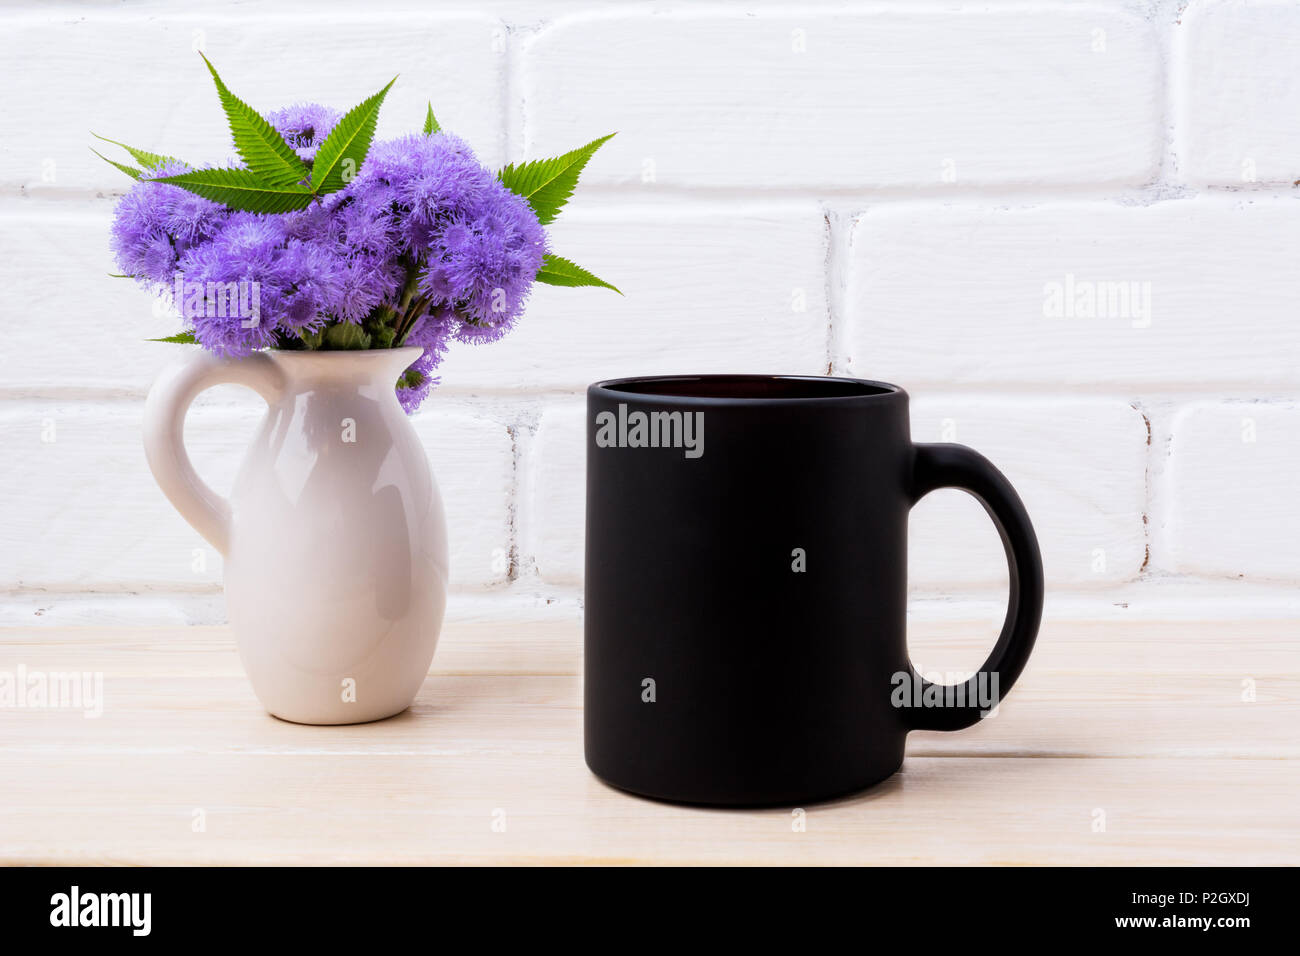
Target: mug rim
{"type": "Point", "coordinates": [632, 388]}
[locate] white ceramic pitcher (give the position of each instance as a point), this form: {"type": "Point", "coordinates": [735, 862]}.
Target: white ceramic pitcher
{"type": "Point", "coordinates": [334, 536]}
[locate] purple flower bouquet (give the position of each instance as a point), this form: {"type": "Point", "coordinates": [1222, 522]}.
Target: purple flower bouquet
{"type": "Point", "coordinates": [314, 239]}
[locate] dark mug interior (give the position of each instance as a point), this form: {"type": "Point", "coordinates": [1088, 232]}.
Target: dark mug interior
{"type": "Point", "coordinates": [747, 387]}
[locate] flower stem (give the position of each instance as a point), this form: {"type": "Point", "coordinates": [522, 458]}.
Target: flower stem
{"type": "Point", "coordinates": [407, 323]}
{"type": "Point", "coordinates": [404, 316]}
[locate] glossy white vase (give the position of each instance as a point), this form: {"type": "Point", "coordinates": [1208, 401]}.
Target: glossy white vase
{"type": "Point", "coordinates": [334, 537]}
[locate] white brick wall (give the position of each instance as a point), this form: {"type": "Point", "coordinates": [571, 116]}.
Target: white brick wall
{"type": "Point", "coordinates": [1088, 516]}
{"type": "Point", "coordinates": [955, 295]}
{"type": "Point", "coordinates": [681, 310]}
{"type": "Point", "coordinates": [790, 98]}
{"type": "Point", "coordinates": [137, 79]}
{"type": "Point", "coordinates": [896, 191]}
{"type": "Point", "coordinates": [84, 514]}
{"type": "Point", "coordinates": [1232, 485]}
{"type": "Point", "coordinates": [552, 521]}
{"type": "Point", "coordinates": [1241, 92]}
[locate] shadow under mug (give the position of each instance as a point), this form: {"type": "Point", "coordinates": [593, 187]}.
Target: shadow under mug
{"type": "Point", "coordinates": [746, 586]}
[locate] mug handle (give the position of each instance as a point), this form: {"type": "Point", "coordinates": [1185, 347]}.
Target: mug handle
{"type": "Point", "coordinates": [164, 432]}
{"type": "Point", "coordinates": [956, 466]}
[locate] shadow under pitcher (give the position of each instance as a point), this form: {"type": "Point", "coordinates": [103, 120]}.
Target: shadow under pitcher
{"type": "Point", "coordinates": [746, 586]}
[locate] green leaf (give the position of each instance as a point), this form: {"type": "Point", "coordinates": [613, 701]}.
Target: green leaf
{"type": "Point", "coordinates": [345, 335]}
{"type": "Point", "coordinates": [547, 184]}
{"type": "Point", "coordinates": [129, 170]}
{"type": "Point", "coordinates": [556, 270]}
{"type": "Point", "coordinates": [240, 189]}
{"type": "Point", "coordinates": [180, 338]}
{"type": "Point", "coordinates": [340, 157]}
{"type": "Point", "coordinates": [430, 124]}
{"type": "Point", "coordinates": [119, 275]}
{"type": "Point", "coordinates": [382, 334]}
{"type": "Point", "coordinates": [260, 144]}
{"type": "Point", "coordinates": [146, 159]}
{"type": "Point", "coordinates": [411, 378]}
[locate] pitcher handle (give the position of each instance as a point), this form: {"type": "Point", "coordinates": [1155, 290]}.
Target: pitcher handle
{"type": "Point", "coordinates": [164, 432]}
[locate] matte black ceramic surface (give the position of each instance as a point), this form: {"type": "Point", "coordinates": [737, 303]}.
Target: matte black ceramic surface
{"type": "Point", "coordinates": [746, 586]}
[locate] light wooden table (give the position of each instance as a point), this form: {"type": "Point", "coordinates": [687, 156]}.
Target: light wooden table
{"type": "Point", "coordinates": [1122, 744]}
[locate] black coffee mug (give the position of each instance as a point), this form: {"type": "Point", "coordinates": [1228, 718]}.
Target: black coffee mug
{"type": "Point", "coordinates": [746, 586]}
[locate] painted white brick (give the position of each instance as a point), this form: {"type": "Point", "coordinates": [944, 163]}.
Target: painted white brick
{"type": "Point", "coordinates": [67, 323]}
{"type": "Point", "coordinates": [553, 520]}
{"type": "Point", "coordinates": [706, 289]}
{"type": "Point", "coordinates": [473, 462]}
{"type": "Point", "coordinates": [139, 79]}
{"type": "Point", "coordinates": [942, 298]}
{"type": "Point", "coordinates": [1232, 490]}
{"type": "Point", "coordinates": [89, 516]}
{"type": "Point", "coordinates": [86, 515]}
{"type": "Point", "coordinates": [955, 296]}
{"type": "Point", "coordinates": [1079, 466]}
{"type": "Point", "coordinates": [1239, 92]}
{"type": "Point", "coordinates": [883, 98]}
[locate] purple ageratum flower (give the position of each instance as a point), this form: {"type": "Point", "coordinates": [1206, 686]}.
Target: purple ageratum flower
{"type": "Point", "coordinates": [307, 282]}
{"type": "Point", "coordinates": [421, 206]}
{"type": "Point", "coordinates": [419, 183]}
{"type": "Point", "coordinates": [283, 283]}
{"type": "Point", "coordinates": [427, 197]}
{"type": "Point", "coordinates": [363, 233]}
{"type": "Point", "coordinates": [486, 263]}
{"type": "Point", "coordinates": [481, 244]}
{"type": "Point", "coordinates": [363, 260]}
{"type": "Point", "coordinates": [433, 332]}
{"type": "Point", "coordinates": [245, 252]}
{"type": "Point", "coordinates": [154, 224]}
{"type": "Point", "coordinates": [304, 126]}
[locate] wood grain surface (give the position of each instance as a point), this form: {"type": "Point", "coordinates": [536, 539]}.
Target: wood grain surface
{"type": "Point", "coordinates": [1121, 744]}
